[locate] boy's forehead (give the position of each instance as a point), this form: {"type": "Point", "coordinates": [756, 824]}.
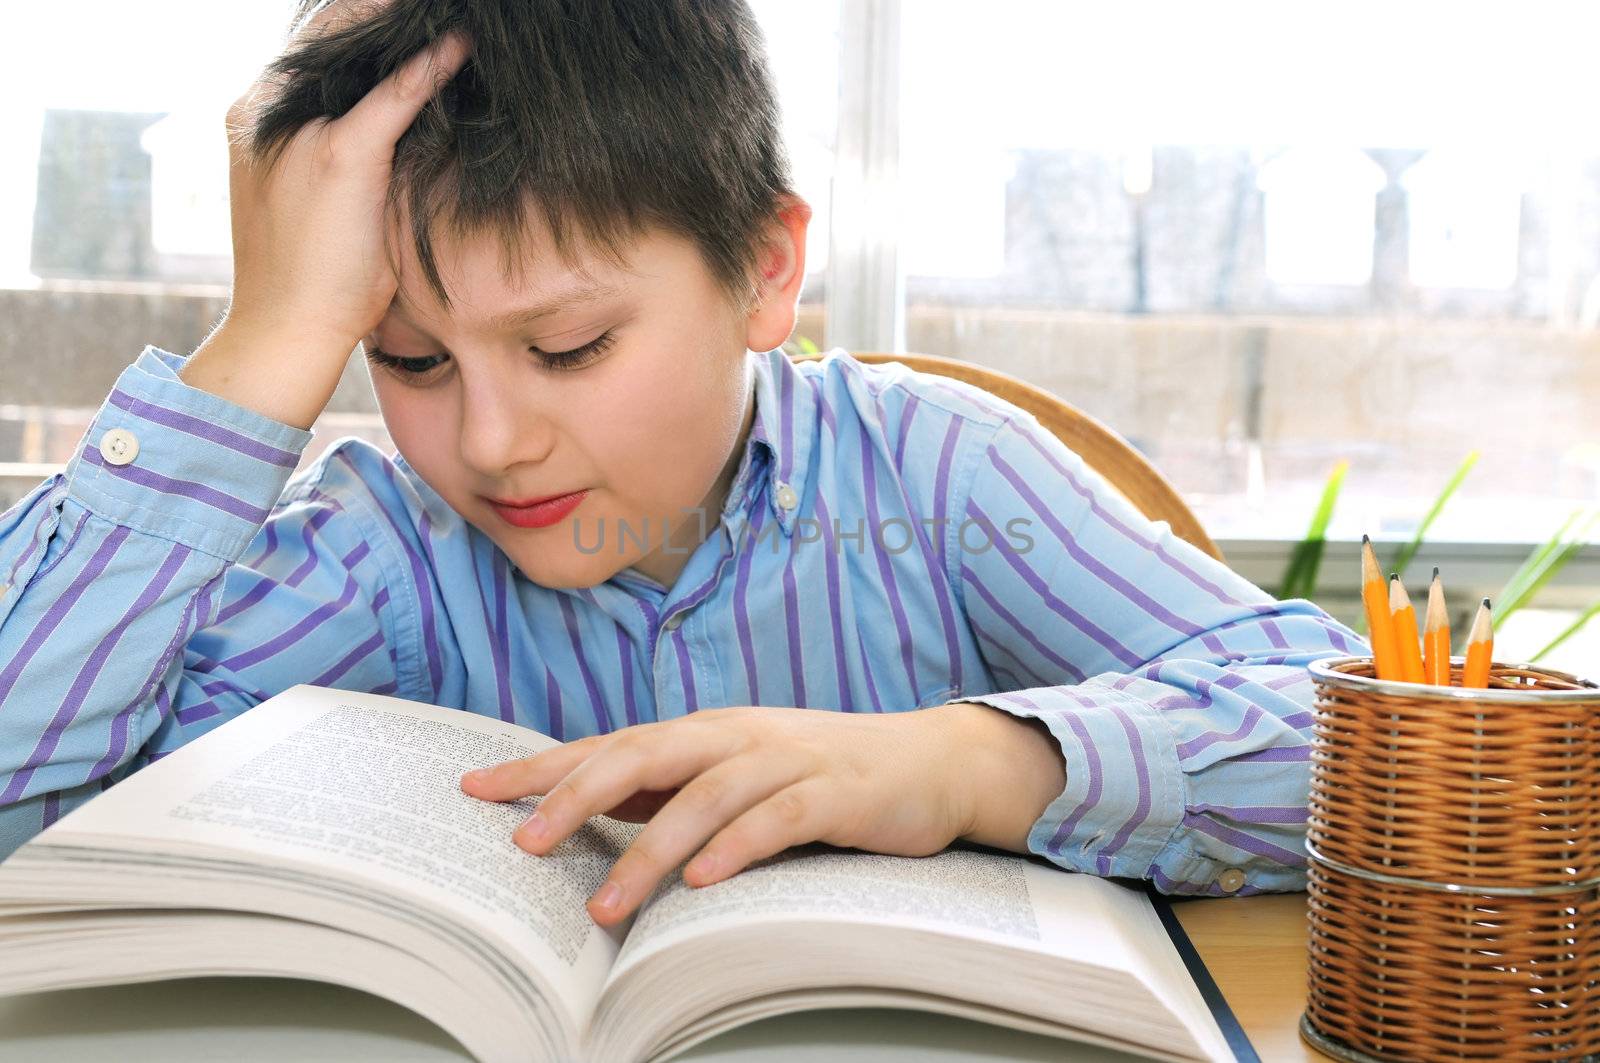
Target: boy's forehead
{"type": "Point", "coordinates": [491, 279]}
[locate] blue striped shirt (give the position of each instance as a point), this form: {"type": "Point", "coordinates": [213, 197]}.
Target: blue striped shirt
{"type": "Point", "coordinates": [891, 540]}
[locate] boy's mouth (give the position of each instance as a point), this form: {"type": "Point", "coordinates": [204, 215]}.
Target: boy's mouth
{"type": "Point", "coordinates": [538, 512]}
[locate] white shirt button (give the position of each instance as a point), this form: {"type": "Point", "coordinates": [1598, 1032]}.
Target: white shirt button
{"type": "Point", "coordinates": [119, 446]}
{"type": "Point", "coordinates": [787, 499]}
{"type": "Point", "coordinates": [671, 623]}
{"type": "Point", "coordinates": [1230, 880]}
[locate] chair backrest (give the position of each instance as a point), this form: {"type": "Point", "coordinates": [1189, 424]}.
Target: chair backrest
{"type": "Point", "coordinates": [1101, 448]}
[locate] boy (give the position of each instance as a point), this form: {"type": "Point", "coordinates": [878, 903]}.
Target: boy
{"type": "Point", "coordinates": [561, 232]}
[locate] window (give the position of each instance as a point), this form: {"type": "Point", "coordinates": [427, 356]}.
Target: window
{"type": "Point", "coordinates": [114, 226]}
{"type": "Point", "coordinates": [1254, 245]}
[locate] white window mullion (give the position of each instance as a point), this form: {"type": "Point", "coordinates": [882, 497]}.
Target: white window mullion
{"type": "Point", "coordinates": [865, 281]}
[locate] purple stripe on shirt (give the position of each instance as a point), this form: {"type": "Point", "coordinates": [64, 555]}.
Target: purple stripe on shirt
{"type": "Point", "coordinates": [1097, 634]}
{"type": "Point", "coordinates": [307, 535]}
{"type": "Point", "coordinates": [218, 500]}
{"type": "Point", "coordinates": [791, 619]}
{"type": "Point", "coordinates": [1141, 811]}
{"type": "Point", "coordinates": [1128, 533]}
{"type": "Point", "coordinates": [308, 624]}
{"type": "Point", "coordinates": [1275, 755]}
{"type": "Point", "coordinates": [830, 556]}
{"type": "Point", "coordinates": [1240, 840]}
{"type": "Point", "coordinates": [348, 661]}
{"type": "Point", "coordinates": [121, 727]}
{"type": "Point", "coordinates": [691, 700]}
{"type": "Point", "coordinates": [907, 412]}
{"type": "Point", "coordinates": [741, 609]}
{"type": "Point", "coordinates": [500, 639]}
{"type": "Point", "coordinates": [52, 808]}
{"type": "Point", "coordinates": [1253, 715]}
{"type": "Point", "coordinates": [195, 713]}
{"type": "Point", "coordinates": [1255, 813]}
{"type": "Point", "coordinates": [625, 666]}
{"type": "Point", "coordinates": [885, 567]}
{"type": "Point", "coordinates": [72, 540]}
{"type": "Point", "coordinates": [552, 698]}
{"type": "Point", "coordinates": [938, 576]}
{"type": "Point", "coordinates": [419, 577]}
{"type": "Point", "coordinates": [98, 561]}
{"type": "Point", "coordinates": [202, 429]}
{"type": "Point", "coordinates": [271, 529]}
{"type": "Point", "coordinates": [266, 583]}
{"type": "Point", "coordinates": [602, 722]}
{"type": "Point", "coordinates": [1073, 674]}
{"type": "Point", "coordinates": [941, 480]}
{"type": "Point", "coordinates": [1102, 571]}
{"type": "Point", "coordinates": [79, 688]}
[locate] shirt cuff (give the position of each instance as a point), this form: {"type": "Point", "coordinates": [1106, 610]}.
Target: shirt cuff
{"type": "Point", "coordinates": [171, 460]}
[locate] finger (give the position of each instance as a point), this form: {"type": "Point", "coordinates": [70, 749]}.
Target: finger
{"type": "Point", "coordinates": [388, 110]}
{"type": "Point", "coordinates": [800, 813]}
{"type": "Point", "coordinates": [653, 757]}
{"type": "Point", "coordinates": [512, 779]}
{"type": "Point", "coordinates": [683, 825]}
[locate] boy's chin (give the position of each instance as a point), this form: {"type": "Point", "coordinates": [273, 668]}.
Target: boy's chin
{"type": "Point", "coordinates": [568, 569]}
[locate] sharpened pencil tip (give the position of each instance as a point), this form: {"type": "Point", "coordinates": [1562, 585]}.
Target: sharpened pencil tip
{"type": "Point", "coordinates": [1366, 540]}
{"type": "Point", "coordinates": [1435, 571]}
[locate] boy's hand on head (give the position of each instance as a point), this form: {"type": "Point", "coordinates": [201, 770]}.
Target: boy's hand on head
{"type": "Point", "coordinates": [735, 785]}
{"type": "Point", "coordinates": [311, 273]}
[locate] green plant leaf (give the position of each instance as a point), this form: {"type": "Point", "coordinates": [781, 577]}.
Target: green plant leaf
{"type": "Point", "coordinates": [1300, 578]}
{"type": "Point", "coordinates": [1543, 564]}
{"type": "Point", "coordinates": [1409, 550]}
{"type": "Point", "coordinates": [1537, 557]}
{"type": "Point", "coordinates": [1577, 626]}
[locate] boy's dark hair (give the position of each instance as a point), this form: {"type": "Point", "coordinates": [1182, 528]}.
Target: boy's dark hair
{"type": "Point", "coordinates": [607, 115]}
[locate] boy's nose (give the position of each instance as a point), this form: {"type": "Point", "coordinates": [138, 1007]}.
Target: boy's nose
{"type": "Point", "coordinates": [501, 427]}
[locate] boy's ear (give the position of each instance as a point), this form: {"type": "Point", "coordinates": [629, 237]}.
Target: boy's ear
{"type": "Point", "coordinates": [780, 273]}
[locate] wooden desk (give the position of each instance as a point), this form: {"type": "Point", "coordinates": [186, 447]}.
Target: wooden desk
{"type": "Point", "coordinates": [1255, 948]}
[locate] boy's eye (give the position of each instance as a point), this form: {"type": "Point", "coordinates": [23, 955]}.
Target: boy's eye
{"type": "Point", "coordinates": [578, 356]}
{"type": "Point", "coordinates": [405, 366]}
{"type": "Point", "coordinates": [415, 369]}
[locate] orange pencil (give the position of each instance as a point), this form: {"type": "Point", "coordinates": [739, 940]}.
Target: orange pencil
{"type": "Point", "coordinates": [1385, 657]}
{"type": "Point", "coordinates": [1436, 636]}
{"type": "Point", "coordinates": [1405, 631]}
{"type": "Point", "coordinates": [1480, 648]}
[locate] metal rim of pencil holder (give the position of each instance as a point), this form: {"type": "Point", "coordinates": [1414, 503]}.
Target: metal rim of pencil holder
{"type": "Point", "coordinates": [1454, 871]}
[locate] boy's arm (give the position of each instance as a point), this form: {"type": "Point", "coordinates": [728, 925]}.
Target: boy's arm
{"type": "Point", "coordinates": [114, 573]}
{"type": "Point", "coordinates": [1175, 690]}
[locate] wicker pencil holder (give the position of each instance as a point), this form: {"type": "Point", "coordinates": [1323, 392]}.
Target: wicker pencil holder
{"type": "Point", "coordinates": [1454, 872]}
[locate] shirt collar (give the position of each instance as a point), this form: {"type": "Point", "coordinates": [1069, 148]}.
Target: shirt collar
{"type": "Point", "coordinates": [782, 433]}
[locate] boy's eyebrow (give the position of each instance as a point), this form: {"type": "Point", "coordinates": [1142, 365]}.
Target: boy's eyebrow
{"type": "Point", "coordinates": [572, 299]}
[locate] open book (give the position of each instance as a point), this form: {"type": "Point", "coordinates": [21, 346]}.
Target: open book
{"type": "Point", "coordinates": [323, 835]}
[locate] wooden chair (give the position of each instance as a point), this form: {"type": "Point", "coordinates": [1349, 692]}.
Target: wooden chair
{"type": "Point", "coordinates": [1101, 448]}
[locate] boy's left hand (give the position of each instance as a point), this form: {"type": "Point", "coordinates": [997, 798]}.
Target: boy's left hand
{"type": "Point", "coordinates": [752, 780]}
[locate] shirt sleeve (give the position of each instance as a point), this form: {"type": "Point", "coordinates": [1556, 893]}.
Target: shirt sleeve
{"type": "Point", "coordinates": [1176, 689]}
{"type": "Point", "coordinates": [166, 582]}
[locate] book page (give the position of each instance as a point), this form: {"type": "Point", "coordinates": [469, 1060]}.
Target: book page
{"type": "Point", "coordinates": [969, 892]}
{"type": "Point", "coordinates": [996, 929]}
{"type": "Point", "coordinates": [367, 787]}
